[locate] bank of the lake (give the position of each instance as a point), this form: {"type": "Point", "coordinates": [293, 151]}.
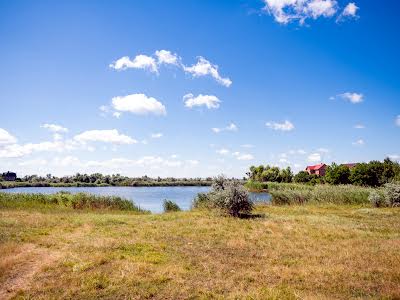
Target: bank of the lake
{"type": "Point", "coordinates": [147, 198]}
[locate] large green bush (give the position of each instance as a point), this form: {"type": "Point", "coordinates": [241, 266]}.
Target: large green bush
{"type": "Point", "coordinates": [392, 194]}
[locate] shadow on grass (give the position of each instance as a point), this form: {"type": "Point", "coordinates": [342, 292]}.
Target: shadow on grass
{"type": "Point", "coordinates": [251, 216]}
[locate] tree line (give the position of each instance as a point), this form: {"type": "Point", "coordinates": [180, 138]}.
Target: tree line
{"type": "Point", "coordinates": [374, 173]}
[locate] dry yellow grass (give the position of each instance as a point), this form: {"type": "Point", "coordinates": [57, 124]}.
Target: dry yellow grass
{"type": "Point", "coordinates": [297, 252]}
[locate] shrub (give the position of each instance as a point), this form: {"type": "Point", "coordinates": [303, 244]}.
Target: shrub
{"type": "Point", "coordinates": [228, 196]}
{"type": "Point", "coordinates": [256, 186]}
{"type": "Point", "coordinates": [170, 206]}
{"type": "Point", "coordinates": [377, 200]}
{"type": "Point", "coordinates": [392, 194]}
{"type": "Point", "coordinates": [289, 197]}
{"type": "Point", "coordinates": [201, 201]}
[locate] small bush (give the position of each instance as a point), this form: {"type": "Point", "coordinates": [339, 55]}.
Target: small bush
{"type": "Point", "coordinates": [392, 194]}
{"type": "Point", "coordinates": [170, 206]}
{"type": "Point", "coordinates": [256, 186]}
{"type": "Point", "coordinates": [226, 195]}
{"type": "Point", "coordinates": [201, 201]}
{"type": "Point", "coordinates": [289, 197]}
{"type": "Point", "coordinates": [377, 200]}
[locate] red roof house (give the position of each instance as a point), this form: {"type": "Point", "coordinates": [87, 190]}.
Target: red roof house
{"type": "Point", "coordinates": [317, 169]}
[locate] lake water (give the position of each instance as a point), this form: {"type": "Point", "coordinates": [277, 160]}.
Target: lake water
{"type": "Point", "coordinates": [149, 198]}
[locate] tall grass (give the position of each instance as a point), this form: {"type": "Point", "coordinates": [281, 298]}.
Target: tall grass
{"type": "Point", "coordinates": [64, 199]}
{"type": "Point", "coordinates": [335, 194]}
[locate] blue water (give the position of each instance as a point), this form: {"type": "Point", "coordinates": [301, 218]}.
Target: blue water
{"type": "Point", "coordinates": [149, 198]}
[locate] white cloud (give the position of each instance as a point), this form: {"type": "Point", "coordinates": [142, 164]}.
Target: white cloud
{"type": "Point", "coordinates": [16, 150]}
{"type": "Point", "coordinates": [397, 121]}
{"type": "Point", "coordinates": [222, 151]}
{"type": "Point", "coordinates": [314, 157]}
{"type": "Point", "coordinates": [286, 11]}
{"type": "Point", "coordinates": [6, 137]}
{"type": "Point", "coordinates": [230, 127]}
{"type": "Point", "coordinates": [156, 135]}
{"type": "Point", "coordinates": [394, 156]}
{"type": "Point", "coordinates": [244, 157]}
{"type": "Point", "coordinates": [139, 104]}
{"type": "Point", "coordinates": [203, 68]}
{"type": "Point", "coordinates": [359, 142]}
{"type": "Point", "coordinates": [285, 126]}
{"type": "Point", "coordinates": [354, 98]}
{"type": "Point", "coordinates": [359, 126]}
{"type": "Point", "coordinates": [247, 146]}
{"type": "Point", "coordinates": [117, 114]}
{"type": "Point", "coordinates": [323, 150]}
{"type": "Point", "coordinates": [209, 101]}
{"type": "Point", "coordinates": [33, 162]}
{"type": "Point", "coordinates": [139, 62]}
{"type": "Point", "coordinates": [54, 128]}
{"type": "Point", "coordinates": [192, 162]}
{"type": "Point", "coordinates": [167, 57]}
{"type": "Point", "coordinates": [350, 11]}
{"type": "Point", "coordinates": [105, 136]}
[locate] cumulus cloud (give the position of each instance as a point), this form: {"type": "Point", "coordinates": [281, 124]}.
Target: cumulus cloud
{"type": "Point", "coordinates": [54, 128]}
{"type": "Point", "coordinates": [314, 157]}
{"type": "Point", "coordinates": [209, 101]}
{"type": "Point", "coordinates": [167, 57]}
{"type": "Point", "coordinates": [285, 126]}
{"type": "Point", "coordinates": [6, 137]}
{"type": "Point", "coordinates": [204, 68]}
{"type": "Point", "coordinates": [105, 136]}
{"type": "Point", "coordinates": [350, 11]}
{"type": "Point", "coordinates": [394, 157]}
{"type": "Point", "coordinates": [359, 142]}
{"type": "Point", "coordinates": [286, 11]}
{"type": "Point", "coordinates": [139, 62]}
{"type": "Point", "coordinates": [139, 104]}
{"type": "Point", "coordinates": [222, 151]}
{"type": "Point", "coordinates": [354, 98]}
{"type": "Point", "coordinates": [230, 127]}
{"type": "Point", "coordinates": [16, 150]}
{"type": "Point", "coordinates": [359, 126]}
{"type": "Point", "coordinates": [396, 121]}
{"type": "Point", "coordinates": [244, 156]}
{"type": "Point", "coordinates": [156, 135]}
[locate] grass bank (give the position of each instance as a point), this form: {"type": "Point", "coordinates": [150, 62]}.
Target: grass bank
{"type": "Point", "coordinates": [67, 201]}
{"type": "Point", "coordinates": [293, 252]}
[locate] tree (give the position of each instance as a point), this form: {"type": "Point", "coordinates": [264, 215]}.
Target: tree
{"type": "Point", "coordinates": [302, 177]}
{"type": "Point", "coordinates": [337, 174]}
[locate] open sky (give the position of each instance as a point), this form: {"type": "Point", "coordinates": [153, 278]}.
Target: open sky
{"type": "Point", "coordinates": [196, 88]}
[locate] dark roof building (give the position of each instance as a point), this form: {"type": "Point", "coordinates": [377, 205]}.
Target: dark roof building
{"type": "Point", "coordinates": [9, 176]}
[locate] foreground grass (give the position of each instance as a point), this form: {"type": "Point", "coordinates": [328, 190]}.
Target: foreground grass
{"type": "Point", "coordinates": [294, 252]}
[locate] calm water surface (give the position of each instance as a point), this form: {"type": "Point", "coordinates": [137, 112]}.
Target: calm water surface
{"type": "Point", "coordinates": [149, 198]}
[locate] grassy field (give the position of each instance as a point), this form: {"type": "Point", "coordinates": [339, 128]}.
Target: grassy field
{"type": "Point", "coordinates": [292, 252]}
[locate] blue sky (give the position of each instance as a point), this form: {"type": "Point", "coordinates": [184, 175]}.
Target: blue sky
{"type": "Point", "coordinates": [196, 88]}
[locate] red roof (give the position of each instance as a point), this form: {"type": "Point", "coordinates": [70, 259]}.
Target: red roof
{"type": "Point", "coordinates": [316, 167]}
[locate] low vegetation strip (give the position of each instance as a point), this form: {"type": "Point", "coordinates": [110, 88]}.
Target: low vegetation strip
{"type": "Point", "coordinates": [295, 252]}
{"type": "Point", "coordinates": [67, 200]}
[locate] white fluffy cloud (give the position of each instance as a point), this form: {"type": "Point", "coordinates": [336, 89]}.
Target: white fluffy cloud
{"type": "Point", "coordinates": [167, 57]}
{"type": "Point", "coordinates": [164, 57]}
{"type": "Point", "coordinates": [105, 136]}
{"type": "Point", "coordinates": [203, 68]}
{"type": "Point", "coordinates": [350, 11]}
{"type": "Point", "coordinates": [230, 127]}
{"type": "Point", "coordinates": [223, 151]}
{"type": "Point", "coordinates": [354, 98]}
{"type": "Point", "coordinates": [359, 142]}
{"type": "Point", "coordinates": [244, 156]}
{"type": "Point", "coordinates": [156, 135]}
{"type": "Point", "coordinates": [16, 150]}
{"type": "Point", "coordinates": [286, 11]}
{"type": "Point", "coordinates": [314, 157]}
{"type": "Point", "coordinates": [396, 121]}
{"type": "Point", "coordinates": [54, 128]}
{"type": "Point", "coordinates": [359, 126]}
{"type": "Point", "coordinates": [6, 137]}
{"type": "Point", "coordinates": [139, 62]}
{"type": "Point", "coordinates": [209, 101]}
{"type": "Point", "coordinates": [139, 104]}
{"type": "Point", "coordinates": [285, 126]}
